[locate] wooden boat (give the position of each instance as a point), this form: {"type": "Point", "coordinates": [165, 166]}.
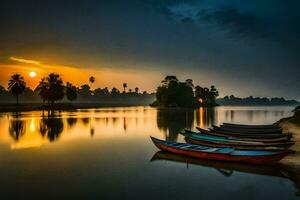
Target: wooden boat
{"type": "Point", "coordinates": [251, 129]}
{"type": "Point", "coordinates": [250, 135]}
{"type": "Point", "coordinates": [224, 154]}
{"type": "Point", "coordinates": [257, 138]}
{"type": "Point", "coordinates": [248, 131]}
{"type": "Point", "coordinates": [267, 126]}
{"type": "Point", "coordinates": [196, 138]}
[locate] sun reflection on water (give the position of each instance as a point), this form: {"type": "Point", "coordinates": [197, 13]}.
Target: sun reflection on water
{"type": "Point", "coordinates": [124, 122]}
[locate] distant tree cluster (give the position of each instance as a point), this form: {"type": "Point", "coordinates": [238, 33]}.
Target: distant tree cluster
{"type": "Point", "coordinates": [232, 100]}
{"type": "Point", "coordinates": [173, 93]}
{"type": "Point", "coordinates": [52, 89]}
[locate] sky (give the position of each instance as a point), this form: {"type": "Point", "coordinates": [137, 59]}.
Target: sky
{"type": "Point", "coordinates": [242, 47]}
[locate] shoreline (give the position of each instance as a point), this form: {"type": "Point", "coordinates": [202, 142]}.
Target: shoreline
{"type": "Point", "coordinates": [38, 106]}
{"type": "Point", "coordinates": [292, 125]}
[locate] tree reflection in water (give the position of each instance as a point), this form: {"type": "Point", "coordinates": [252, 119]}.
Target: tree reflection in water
{"type": "Point", "coordinates": [85, 121]}
{"type": "Point", "coordinates": [17, 128]}
{"type": "Point", "coordinates": [172, 121]}
{"type": "Point", "coordinates": [71, 121]}
{"type": "Point", "coordinates": [51, 126]}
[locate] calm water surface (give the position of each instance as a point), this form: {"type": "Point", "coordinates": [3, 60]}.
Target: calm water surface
{"type": "Point", "coordinates": [107, 153]}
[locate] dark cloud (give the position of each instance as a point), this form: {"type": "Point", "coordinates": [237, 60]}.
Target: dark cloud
{"type": "Point", "coordinates": [244, 24]}
{"type": "Point", "coordinates": [216, 42]}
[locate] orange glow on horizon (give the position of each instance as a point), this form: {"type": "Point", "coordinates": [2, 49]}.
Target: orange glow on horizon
{"type": "Point", "coordinates": [33, 71]}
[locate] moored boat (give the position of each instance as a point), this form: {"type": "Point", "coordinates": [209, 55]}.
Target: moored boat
{"type": "Point", "coordinates": [223, 154]}
{"type": "Point", "coordinates": [196, 138]}
{"type": "Point", "coordinates": [282, 138]}
{"type": "Point", "coordinates": [250, 135]}
{"type": "Point", "coordinates": [248, 131]}
{"type": "Point", "coordinates": [246, 126]}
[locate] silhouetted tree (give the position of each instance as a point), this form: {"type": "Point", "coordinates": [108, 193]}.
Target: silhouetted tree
{"type": "Point", "coordinates": [16, 85]}
{"type": "Point", "coordinates": [175, 93]}
{"type": "Point", "coordinates": [71, 92]}
{"type": "Point", "coordinates": [189, 82]}
{"type": "Point", "coordinates": [169, 79]}
{"type": "Point", "coordinates": [124, 86]}
{"type": "Point", "coordinates": [54, 87]}
{"type": "Point", "coordinates": [136, 90]}
{"type": "Point", "coordinates": [114, 92]}
{"type": "Point", "coordinates": [101, 94]}
{"type": "Point", "coordinates": [43, 90]}
{"type": "Point", "coordinates": [92, 79]}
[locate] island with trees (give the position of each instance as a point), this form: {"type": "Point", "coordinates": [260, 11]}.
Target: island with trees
{"type": "Point", "coordinates": [174, 93]}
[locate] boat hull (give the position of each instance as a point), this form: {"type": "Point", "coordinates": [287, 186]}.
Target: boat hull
{"type": "Point", "coordinates": [248, 131]}
{"type": "Point", "coordinates": [284, 138]}
{"type": "Point", "coordinates": [245, 126]}
{"type": "Point", "coordinates": [260, 159]}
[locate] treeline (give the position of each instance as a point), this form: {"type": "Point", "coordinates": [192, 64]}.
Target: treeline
{"type": "Point", "coordinates": [174, 93]}
{"type": "Point", "coordinates": [52, 89]}
{"type": "Point", "coordinates": [232, 100]}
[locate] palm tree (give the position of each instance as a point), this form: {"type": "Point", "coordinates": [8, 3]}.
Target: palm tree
{"type": "Point", "coordinates": [42, 89]}
{"type": "Point", "coordinates": [136, 90]}
{"type": "Point", "coordinates": [51, 88]}
{"type": "Point", "coordinates": [16, 85]}
{"type": "Point", "coordinates": [71, 92]}
{"type": "Point", "coordinates": [124, 86]}
{"type": "Point", "coordinates": [92, 80]}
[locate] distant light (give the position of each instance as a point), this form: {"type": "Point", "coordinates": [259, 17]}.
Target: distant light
{"type": "Point", "coordinates": [32, 74]}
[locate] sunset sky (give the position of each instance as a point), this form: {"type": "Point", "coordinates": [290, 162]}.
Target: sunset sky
{"type": "Point", "coordinates": [243, 47]}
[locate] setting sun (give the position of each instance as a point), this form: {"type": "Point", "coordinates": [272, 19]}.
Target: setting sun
{"type": "Point", "coordinates": [32, 74]}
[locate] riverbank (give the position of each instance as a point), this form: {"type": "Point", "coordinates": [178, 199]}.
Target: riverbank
{"type": "Point", "coordinates": [292, 125]}
{"type": "Point", "coordinates": [12, 107]}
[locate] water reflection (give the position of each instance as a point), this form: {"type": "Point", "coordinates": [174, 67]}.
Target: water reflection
{"type": "Point", "coordinates": [165, 122]}
{"type": "Point", "coordinates": [227, 169]}
{"type": "Point", "coordinates": [52, 127]}
{"type": "Point", "coordinates": [114, 144]}
{"type": "Point", "coordinates": [71, 121]}
{"type": "Point", "coordinates": [205, 117]}
{"type": "Point", "coordinates": [17, 128]}
{"type": "Point", "coordinates": [171, 122]}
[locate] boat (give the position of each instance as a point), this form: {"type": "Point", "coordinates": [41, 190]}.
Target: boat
{"type": "Point", "coordinates": [223, 154]}
{"type": "Point", "coordinates": [251, 129]}
{"type": "Point", "coordinates": [257, 138]}
{"type": "Point", "coordinates": [248, 131]}
{"type": "Point", "coordinates": [266, 126]}
{"type": "Point", "coordinates": [201, 139]}
{"type": "Point", "coordinates": [251, 135]}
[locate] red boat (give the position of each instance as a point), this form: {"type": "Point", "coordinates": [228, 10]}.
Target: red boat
{"type": "Point", "coordinates": [224, 154]}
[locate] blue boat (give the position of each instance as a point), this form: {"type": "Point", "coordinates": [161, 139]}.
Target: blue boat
{"type": "Point", "coordinates": [218, 141]}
